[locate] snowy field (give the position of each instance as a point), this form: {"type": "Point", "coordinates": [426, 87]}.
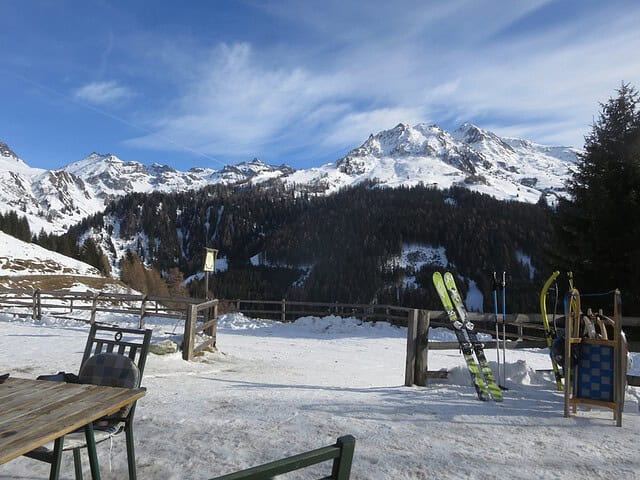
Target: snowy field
{"type": "Point", "coordinates": [273, 390]}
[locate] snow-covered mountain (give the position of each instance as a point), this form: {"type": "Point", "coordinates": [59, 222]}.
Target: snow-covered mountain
{"type": "Point", "coordinates": [507, 168]}
{"type": "Point", "coordinates": [111, 177]}
{"type": "Point", "coordinates": [53, 200]}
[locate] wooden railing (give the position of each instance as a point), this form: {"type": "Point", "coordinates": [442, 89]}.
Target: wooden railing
{"type": "Point", "coordinates": [199, 316]}
{"type": "Point", "coordinates": [63, 303]}
{"type": "Point", "coordinates": [521, 331]}
{"type": "Point", "coordinates": [286, 310]}
{"type": "Point", "coordinates": [208, 327]}
{"type": "Point", "coordinates": [521, 326]}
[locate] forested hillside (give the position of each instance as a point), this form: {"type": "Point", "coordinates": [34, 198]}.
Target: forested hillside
{"type": "Point", "coordinates": [336, 248]}
{"type": "Point", "coordinates": [285, 241]}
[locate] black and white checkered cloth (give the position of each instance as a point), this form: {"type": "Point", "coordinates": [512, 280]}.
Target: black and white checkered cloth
{"type": "Point", "coordinates": [111, 370]}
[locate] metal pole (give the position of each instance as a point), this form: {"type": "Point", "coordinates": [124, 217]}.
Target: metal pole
{"type": "Point", "coordinates": [504, 330]}
{"type": "Point", "coordinates": [495, 309]}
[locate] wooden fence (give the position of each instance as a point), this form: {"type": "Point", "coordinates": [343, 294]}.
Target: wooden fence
{"type": "Point", "coordinates": [285, 310]}
{"type": "Point", "coordinates": [521, 331]}
{"type": "Point", "coordinates": [208, 328]}
{"type": "Point", "coordinates": [200, 316]}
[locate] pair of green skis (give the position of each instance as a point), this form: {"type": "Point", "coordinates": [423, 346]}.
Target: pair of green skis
{"type": "Point", "coordinates": [481, 374]}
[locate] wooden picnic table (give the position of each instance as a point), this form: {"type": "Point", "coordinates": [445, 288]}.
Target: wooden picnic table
{"type": "Point", "coordinates": [36, 412]}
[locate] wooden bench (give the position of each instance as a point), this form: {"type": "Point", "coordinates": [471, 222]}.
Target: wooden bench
{"type": "Point", "coordinates": [341, 453]}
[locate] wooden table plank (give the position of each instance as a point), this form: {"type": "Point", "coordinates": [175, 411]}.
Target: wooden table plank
{"type": "Point", "coordinates": [52, 409]}
{"type": "Point", "coordinates": [36, 400]}
{"type": "Point", "coordinates": [55, 408]}
{"type": "Point", "coordinates": [27, 396]}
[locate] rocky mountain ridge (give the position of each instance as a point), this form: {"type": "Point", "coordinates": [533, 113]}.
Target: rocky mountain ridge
{"type": "Point", "coordinates": [507, 168]}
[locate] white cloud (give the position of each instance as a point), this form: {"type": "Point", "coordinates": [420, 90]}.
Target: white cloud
{"type": "Point", "coordinates": [103, 93]}
{"type": "Point", "coordinates": [550, 87]}
{"type": "Point", "coordinates": [236, 105]}
{"type": "Point", "coordinates": [372, 68]}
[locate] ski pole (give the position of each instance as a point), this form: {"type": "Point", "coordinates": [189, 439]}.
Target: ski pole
{"type": "Point", "coordinates": [495, 310]}
{"type": "Point", "coordinates": [504, 330]}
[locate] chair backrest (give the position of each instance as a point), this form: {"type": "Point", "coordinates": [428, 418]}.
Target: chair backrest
{"type": "Point", "coordinates": [111, 369]}
{"type": "Point", "coordinates": [115, 356]}
{"type": "Point", "coordinates": [130, 342]}
{"type": "Point", "coordinates": [341, 454]}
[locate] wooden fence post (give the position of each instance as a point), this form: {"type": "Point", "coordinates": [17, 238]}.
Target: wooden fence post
{"type": "Point", "coordinates": [212, 330]}
{"type": "Point", "coordinates": [283, 314]}
{"type": "Point", "coordinates": [189, 333]}
{"type": "Point", "coordinates": [37, 306]}
{"type": "Point", "coordinates": [620, 365]}
{"type": "Point", "coordinates": [94, 307]}
{"type": "Point", "coordinates": [422, 348]}
{"type": "Point", "coordinates": [143, 310]}
{"type": "Point", "coordinates": [412, 336]}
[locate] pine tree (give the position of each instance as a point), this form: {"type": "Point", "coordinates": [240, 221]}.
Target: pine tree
{"type": "Point", "coordinates": [597, 229]}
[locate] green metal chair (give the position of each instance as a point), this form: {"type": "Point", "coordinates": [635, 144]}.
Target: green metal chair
{"type": "Point", "coordinates": [116, 357]}
{"type": "Point", "coordinates": [341, 453]}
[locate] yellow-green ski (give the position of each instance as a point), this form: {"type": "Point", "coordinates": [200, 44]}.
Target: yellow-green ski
{"type": "Point", "coordinates": [465, 345]}
{"type": "Point", "coordinates": [478, 347]}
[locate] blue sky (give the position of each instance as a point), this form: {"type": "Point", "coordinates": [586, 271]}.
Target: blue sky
{"type": "Point", "coordinates": [209, 83]}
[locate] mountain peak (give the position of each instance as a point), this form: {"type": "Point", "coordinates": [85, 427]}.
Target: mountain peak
{"type": "Point", "coordinates": [470, 133]}
{"type": "Point", "coordinates": [102, 156]}
{"type": "Point", "coordinates": [6, 152]}
{"type": "Point", "coordinates": [11, 162]}
{"type": "Point", "coordinates": [159, 168]}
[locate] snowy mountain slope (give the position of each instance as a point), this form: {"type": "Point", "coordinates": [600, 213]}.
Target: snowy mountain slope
{"type": "Point", "coordinates": [533, 165]}
{"type": "Point", "coordinates": [54, 200]}
{"type": "Point", "coordinates": [506, 168]}
{"type": "Point", "coordinates": [112, 177]}
{"type": "Point", "coordinates": [22, 258]}
{"type": "Point", "coordinates": [10, 162]}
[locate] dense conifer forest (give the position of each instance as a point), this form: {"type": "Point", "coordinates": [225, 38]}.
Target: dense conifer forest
{"type": "Point", "coordinates": [336, 248]}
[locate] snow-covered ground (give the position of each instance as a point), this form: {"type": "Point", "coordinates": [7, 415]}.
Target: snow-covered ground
{"type": "Point", "coordinates": [278, 389]}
